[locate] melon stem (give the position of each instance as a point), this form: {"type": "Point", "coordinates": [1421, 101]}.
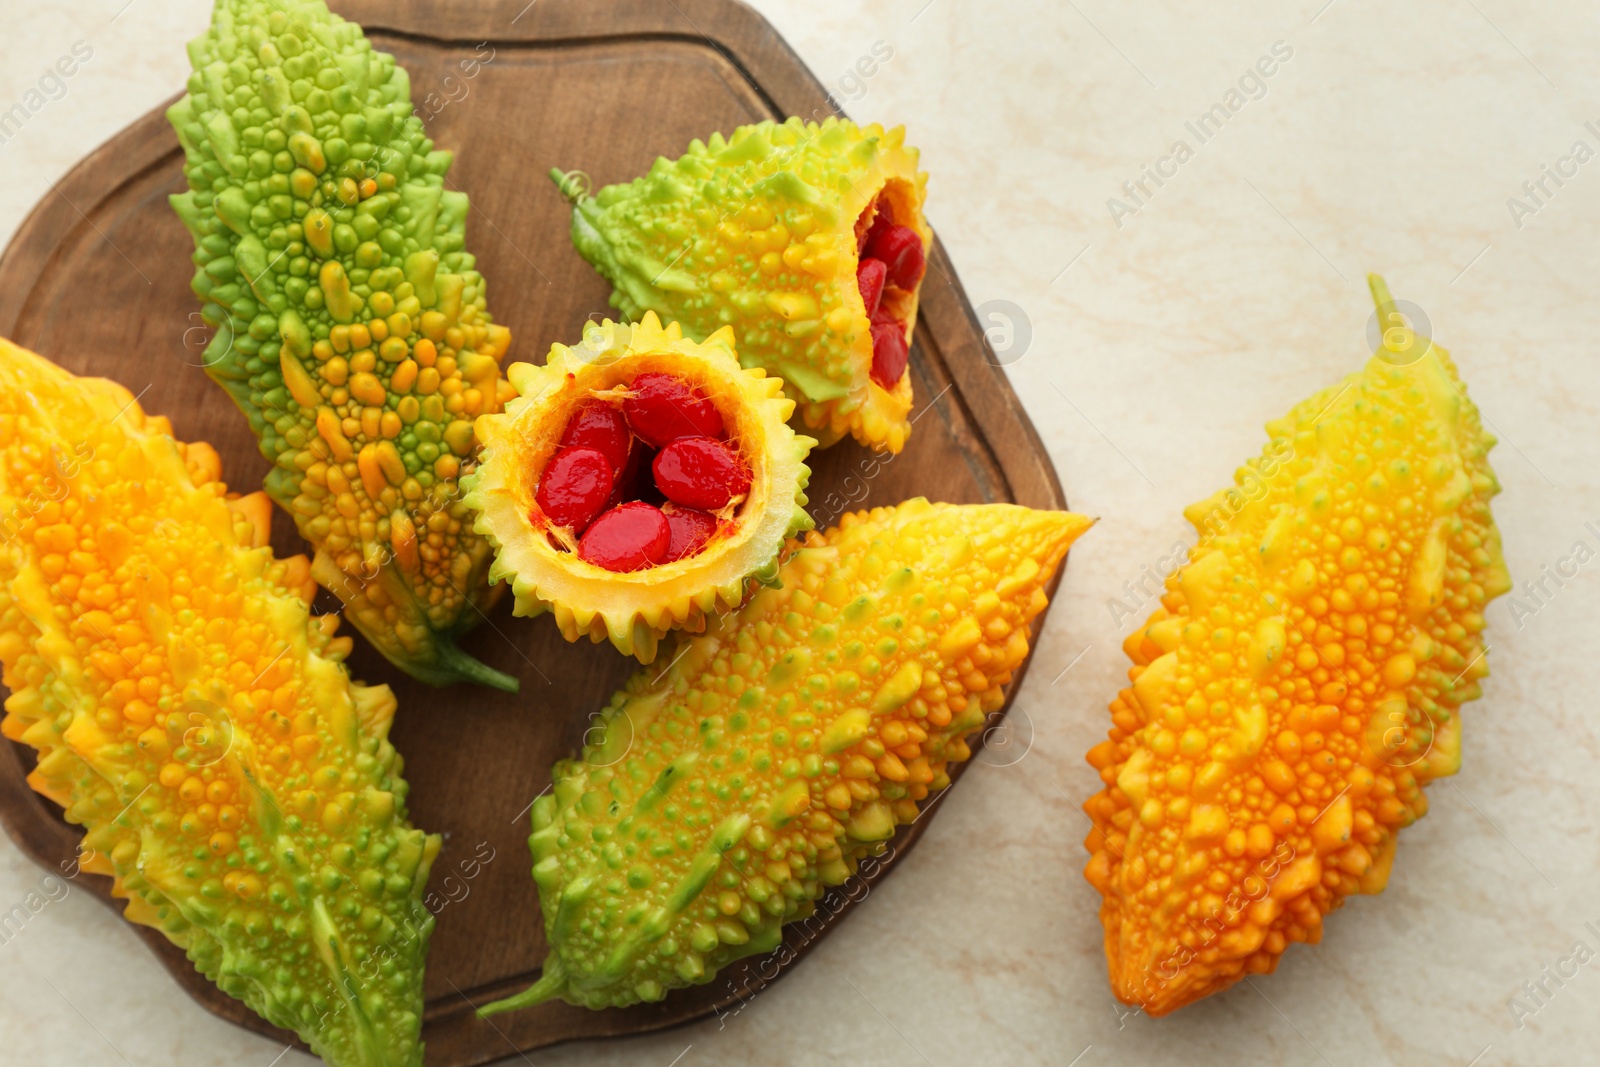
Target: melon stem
{"type": "Point", "coordinates": [550, 984]}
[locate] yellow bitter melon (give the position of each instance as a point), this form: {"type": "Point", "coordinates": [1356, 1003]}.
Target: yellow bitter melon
{"type": "Point", "coordinates": [350, 322]}
{"type": "Point", "coordinates": [763, 231]}
{"type": "Point", "coordinates": [725, 794]}
{"type": "Point", "coordinates": [1301, 682]}
{"type": "Point", "coordinates": [634, 610]}
{"type": "Point", "coordinates": [196, 720]}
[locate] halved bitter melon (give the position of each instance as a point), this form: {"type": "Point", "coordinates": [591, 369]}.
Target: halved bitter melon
{"type": "Point", "coordinates": [563, 492]}
{"type": "Point", "coordinates": [772, 230]}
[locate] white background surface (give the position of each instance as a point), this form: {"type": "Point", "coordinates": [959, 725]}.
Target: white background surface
{"type": "Point", "coordinates": [1390, 141]}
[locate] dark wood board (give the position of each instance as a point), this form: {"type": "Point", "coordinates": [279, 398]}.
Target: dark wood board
{"type": "Point", "coordinates": [97, 279]}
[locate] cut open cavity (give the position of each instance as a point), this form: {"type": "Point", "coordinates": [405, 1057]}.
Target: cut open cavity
{"type": "Point", "coordinates": [890, 264]}
{"type": "Point", "coordinates": [645, 474]}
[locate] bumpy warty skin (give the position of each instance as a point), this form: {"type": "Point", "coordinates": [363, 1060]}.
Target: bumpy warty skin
{"type": "Point", "coordinates": [722, 796]}
{"type": "Point", "coordinates": [350, 321]}
{"type": "Point", "coordinates": [1300, 683]}
{"type": "Point", "coordinates": [756, 231]}
{"type": "Point", "coordinates": [194, 718]}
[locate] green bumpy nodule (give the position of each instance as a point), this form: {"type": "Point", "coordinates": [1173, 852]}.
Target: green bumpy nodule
{"type": "Point", "coordinates": [350, 323]}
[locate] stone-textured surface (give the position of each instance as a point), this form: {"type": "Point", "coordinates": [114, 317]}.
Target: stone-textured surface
{"type": "Point", "coordinates": [1389, 141]}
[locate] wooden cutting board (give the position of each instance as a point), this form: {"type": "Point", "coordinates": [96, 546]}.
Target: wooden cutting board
{"type": "Point", "coordinates": [97, 279]}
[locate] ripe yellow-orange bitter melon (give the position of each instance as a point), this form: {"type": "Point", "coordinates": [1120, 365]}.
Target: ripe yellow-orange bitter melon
{"type": "Point", "coordinates": [350, 322]}
{"type": "Point", "coordinates": [1302, 680]}
{"type": "Point", "coordinates": [633, 411]}
{"type": "Point", "coordinates": [726, 793]}
{"type": "Point", "coordinates": [196, 720]}
{"type": "Point", "coordinates": [807, 239]}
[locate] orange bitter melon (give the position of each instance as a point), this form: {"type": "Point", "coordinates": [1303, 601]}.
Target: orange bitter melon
{"type": "Point", "coordinates": [350, 321]}
{"type": "Point", "coordinates": [1302, 680]}
{"type": "Point", "coordinates": [723, 795]}
{"type": "Point", "coordinates": [194, 717]}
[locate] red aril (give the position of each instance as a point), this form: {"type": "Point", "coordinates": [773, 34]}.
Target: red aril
{"type": "Point", "coordinates": [626, 538]}
{"type": "Point", "coordinates": [699, 472]}
{"type": "Point", "coordinates": [901, 251]}
{"type": "Point", "coordinates": [574, 487]}
{"type": "Point", "coordinates": [600, 426]}
{"type": "Point", "coordinates": [870, 275]}
{"type": "Point", "coordinates": [691, 529]}
{"type": "Point", "coordinates": [880, 222]}
{"type": "Point", "coordinates": [888, 353]}
{"type": "Point", "coordinates": [663, 409]}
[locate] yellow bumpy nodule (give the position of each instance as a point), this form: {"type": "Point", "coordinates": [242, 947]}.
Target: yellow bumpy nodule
{"type": "Point", "coordinates": [1301, 682]}
{"type": "Point", "coordinates": [196, 720]}
{"type": "Point", "coordinates": [726, 793]}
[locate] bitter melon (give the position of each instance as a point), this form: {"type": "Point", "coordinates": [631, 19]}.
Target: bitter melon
{"type": "Point", "coordinates": [196, 720]}
{"type": "Point", "coordinates": [1302, 680]}
{"type": "Point", "coordinates": [723, 795]}
{"type": "Point", "coordinates": [807, 239]}
{"type": "Point", "coordinates": [350, 322]}
{"type": "Point", "coordinates": [570, 476]}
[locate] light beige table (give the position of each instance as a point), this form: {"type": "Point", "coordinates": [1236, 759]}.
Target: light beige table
{"type": "Point", "coordinates": [1158, 340]}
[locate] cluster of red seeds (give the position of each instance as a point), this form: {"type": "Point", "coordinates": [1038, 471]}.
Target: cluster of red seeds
{"type": "Point", "coordinates": [595, 485]}
{"type": "Point", "coordinates": [888, 255]}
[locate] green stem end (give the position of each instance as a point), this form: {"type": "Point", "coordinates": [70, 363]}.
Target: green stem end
{"type": "Point", "coordinates": [550, 984]}
{"type": "Point", "coordinates": [456, 665]}
{"type": "Point", "coordinates": [1387, 314]}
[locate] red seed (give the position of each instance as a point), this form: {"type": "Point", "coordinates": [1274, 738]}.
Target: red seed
{"type": "Point", "coordinates": [691, 529]}
{"type": "Point", "coordinates": [600, 426]}
{"type": "Point", "coordinates": [626, 538]}
{"type": "Point", "coordinates": [880, 222]}
{"type": "Point", "coordinates": [870, 275]}
{"type": "Point", "coordinates": [574, 487]}
{"type": "Point", "coordinates": [889, 353]}
{"type": "Point", "coordinates": [901, 251]}
{"type": "Point", "coordinates": [699, 472]}
{"type": "Point", "coordinates": [663, 409]}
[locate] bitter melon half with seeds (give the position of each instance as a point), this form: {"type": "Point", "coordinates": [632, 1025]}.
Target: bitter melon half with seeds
{"type": "Point", "coordinates": [638, 483]}
{"type": "Point", "coordinates": [723, 795]}
{"type": "Point", "coordinates": [196, 720]}
{"type": "Point", "coordinates": [808, 239]}
{"type": "Point", "coordinates": [1302, 680]}
{"type": "Point", "coordinates": [350, 321]}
